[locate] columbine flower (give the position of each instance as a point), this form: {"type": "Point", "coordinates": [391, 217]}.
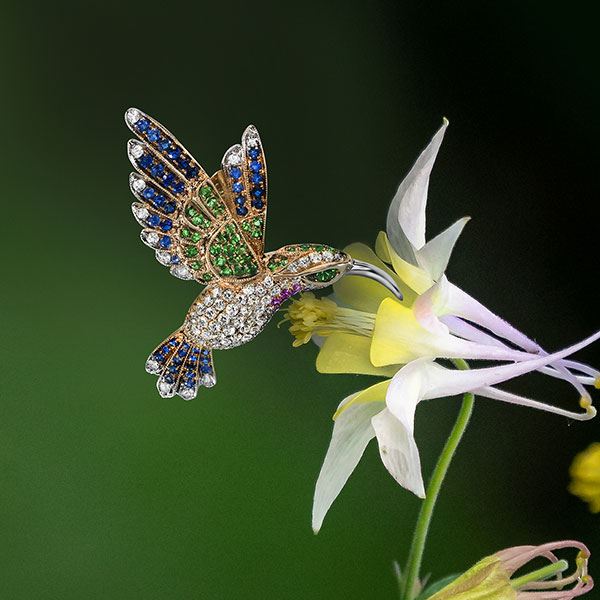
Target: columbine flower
{"type": "Point", "coordinates": [490, 578]}
{"type": "Point", "coordinates": [364, 329]}
{"type": "Point", "coordinates": [585, 474]}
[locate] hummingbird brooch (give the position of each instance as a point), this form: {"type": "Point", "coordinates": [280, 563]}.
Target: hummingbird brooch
{"type": "Point", "coordinates": [212, 230]}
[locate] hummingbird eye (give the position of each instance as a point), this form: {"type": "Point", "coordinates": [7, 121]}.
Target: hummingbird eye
{"type": "Point", "coordinates": [323, 276]}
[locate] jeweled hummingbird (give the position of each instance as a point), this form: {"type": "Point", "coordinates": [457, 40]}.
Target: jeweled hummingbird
{"type": "Point", "coordinates": [211, 230]}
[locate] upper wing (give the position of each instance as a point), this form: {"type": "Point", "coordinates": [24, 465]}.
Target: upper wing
{"type": "Point", "coordinates": [244, 183]}
{"type": "Point", "coordinates": [187, 217]}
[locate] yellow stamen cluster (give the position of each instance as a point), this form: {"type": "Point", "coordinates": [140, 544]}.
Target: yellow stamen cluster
{"type": "Point", "coordinates": [310, 316]}
{"type": "Point", "coordinates": [585, 474]}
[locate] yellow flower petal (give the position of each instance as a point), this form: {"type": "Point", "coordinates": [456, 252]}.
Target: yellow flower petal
{"type": "Point", "coordinates": [362, 293]}
{"type": "Point", "coordinates": [396, 335]}
{"type": "Point", "coordinates": [347, 353]}
{"type": "Point", "coordinates": [417, 279]}
{"type": "Point", "coordinates": [375, 393]}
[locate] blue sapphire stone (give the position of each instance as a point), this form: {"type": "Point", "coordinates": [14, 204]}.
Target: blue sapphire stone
{"type": "Point", "coordinates": [174, 153]}
{"type": "Point", "coordinates": [164, 144]}
{"type": "Point", "coordinates": [173, 342]}
{"type": "Point", "coordinates": [154, 135]}
{"type": "Point", "coordinates": [145, 161]}
{"type": "Point", "coordinates": [178, 187]}
{"type": "Point", "coordinates": [241, 210]}
{"type": "Point", "coordinates": [205, 352]}
{"type": "Point", "coordinates": [254, 152]}
{"type": "Point", "coordinates": [168, 179]}
{"type": "Point", "coordinates": [183, 163]}
{"type": "Point", "coordinates": [195, 350]}
{"type": "Point", "coordinates": [165, 242]}
{"type": "Point", "coordinates": [166, 225]}
{"type": "Point", "coordinates": [142, 125]}
{"type": "Point", "coordinates": [192, 359]}
{"type": "Point", "coordinates": [235, 173]}
{"type": "Point", "coordinates": [159, 200]}
{"type": "Point", "coordinates": [205, 361]}
{"type": "Point", "coordinates": [169, 208]}
{"type": "Point", "coordinates": [205, 369]}
{"type": "Point", "coordinates": [169, 378]}
{"type": "Point", "coordinates": [165, 349]}
{"type": "Point", "coordinates": [177, 360]}
{"type": "Point", "coordinates": [173, 369]}
{"type": "Point", "coordinates": [175, 259]}
{"type": "Point", "coordinates": [157, 170]}
{"type": "Point", "coordinates": [153, 220]}
{"type": "Point", "coordinates": [258, 192]}
{"type": "Point", "coordinates": [255, 166]}
{"type": "Point", "coordinates": [240, 200]}
{"type": "Point", "coordinates": [159, 356]}
{"type": "Point", "coordinates": [191, 172]}
{"type": "Point", "coordinates": [258, 204]}
{"type": "Point", "coordinates": [189, 383]}
{"type": "Point", "coordinates": [237, 187]}
{"type": "Point", "coordinates": [256, 178]}
{"type": "Point", "coordinates": [148, 193]}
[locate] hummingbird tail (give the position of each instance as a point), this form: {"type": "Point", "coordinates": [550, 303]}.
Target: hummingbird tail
{"type": "Point", "coordinates": [182, 366]}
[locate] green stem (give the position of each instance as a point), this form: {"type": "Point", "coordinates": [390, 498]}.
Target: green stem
{"type": "Point", "coordinates": [540, 574]}
{"type": "Point", "coordinates": [415, 556]}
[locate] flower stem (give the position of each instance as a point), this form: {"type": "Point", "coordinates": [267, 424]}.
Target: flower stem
{"type": "Point", "coordinates": [415, 556]}
{"type": "Point", "coordinates": [540, 574]}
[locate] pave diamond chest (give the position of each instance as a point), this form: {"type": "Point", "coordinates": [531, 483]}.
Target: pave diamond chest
{"type": "Point", "coordinates": [212, 230]}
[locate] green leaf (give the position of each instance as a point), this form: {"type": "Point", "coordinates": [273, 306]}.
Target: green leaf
{"type": "Point", "coordinates": [432, 588]}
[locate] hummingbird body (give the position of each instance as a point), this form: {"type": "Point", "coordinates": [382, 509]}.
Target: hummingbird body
{"type": "Point", "coordinates": [211, 230]}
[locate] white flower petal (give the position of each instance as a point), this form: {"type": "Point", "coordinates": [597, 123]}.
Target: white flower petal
{"type": "Point", "coordinates": [435, 254]}
{"type": "Point", "coordinates": [399, 452]}
{"type": "Point", "coordinates": [406, 215]}
{"type": "Point", "coordinates": [352, 432]}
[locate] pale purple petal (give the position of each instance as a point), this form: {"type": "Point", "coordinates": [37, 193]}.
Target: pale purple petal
{"type": "Point", "coordinates": [352, 432]}
{"type": "Point", "coordinates": [406, 215]}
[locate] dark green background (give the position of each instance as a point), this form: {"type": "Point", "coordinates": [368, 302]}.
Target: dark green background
{"type": "Point", "coordinates": [109, 491]}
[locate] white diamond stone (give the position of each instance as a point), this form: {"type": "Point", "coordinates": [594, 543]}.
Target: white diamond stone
{"type": "Point", "coordinates": [187, 393]}
{"type": "Point", "coordinates": [232, 310]}
{"type": "Point", "coordinates": [205, 335]}
{"type": "Point", "coordinates": [152, 238]}
{"type": "Point", "coordinates": [327, 256]}
{"type": "Point", "coordinates": [249, 290]}
{"type": "Point", "coordinates": [254, 331]}
{"type": "Point", "coordinates": [136, 150]}
{"type": "Point", "coordinates": [208, 380]}
{"type": "Point", "coordinates": [181, 271]}
{"type": "Point", "coordinates": [228, 295]}
{"type": "Point", "coordinates": [214, 327]}
{"type": "Point", "coordinates": [265, 302]}
{"type": "Point", "coordinates": [245, 311]}
{"type": "Point", "coordinates": [163, 257]}
{"type": "Point", "coordinates": [240, 299]}
{"type": "Point", "coordinates": [315, 258]}
{"type": "Point", "coordinates": [207, 300]}
{"type": "Point", "coordinates": [303, 262]}
{"type": "Point", "coordinates": [293, 268]}
{"type": "Point", "coordinates": [141, 213]}
{"type": "Point", "coordinates": [165, 389]}
{"type": "Point", "coordinates": [223, 319]}
{"type": "Point", "coordinates": [268, 282]}
{"type": "Point", "coordinates": [246, 338]}
{"type": "Point", "coordinates": [211, 313]}
{"type": "Point", "coordinates": [219, 304]}
{"type": "Point", "coordinates": [230, 331]}
{"type": "Point", "coordinates": [138, 184]}
{"type": "Point", "coordinates": [276, 291]}
{"type": "Point", "coordinates": [260, 290]}
{"type": "Point", "coordinates": [215, 292]}
{"type": "Point", "coordinates": [152, 366]}
{"type": "Point", "coordinates": [133, 115]}
{"type": "Point", "coordinates": [262, 318]}
{"type": "Point", "coordinates": [202, 322]}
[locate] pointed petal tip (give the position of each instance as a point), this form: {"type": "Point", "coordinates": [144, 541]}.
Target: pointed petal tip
{"type": "Point", "coordinates": [445, 122]}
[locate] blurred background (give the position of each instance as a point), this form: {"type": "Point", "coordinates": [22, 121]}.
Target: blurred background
{"type": "Point", "coordinates": [109, 491]}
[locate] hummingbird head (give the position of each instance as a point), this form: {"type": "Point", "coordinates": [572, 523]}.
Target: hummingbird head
{"type": "Point", "coordinates": [316, 265]}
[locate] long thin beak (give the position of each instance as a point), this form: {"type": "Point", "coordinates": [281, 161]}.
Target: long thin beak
{"type": "Point", "coordinates": [364, 269]}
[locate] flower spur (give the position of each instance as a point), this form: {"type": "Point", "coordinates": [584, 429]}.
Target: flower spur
{"type": "Point", "coordinates": [211, 230]}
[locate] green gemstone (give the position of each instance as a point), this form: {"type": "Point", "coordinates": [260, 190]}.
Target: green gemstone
{"type": "Point", "coordinates": [239, 270]}
{"type": "Point", "coordinates": [196, 265]}
{"type": "Point", "coordinates": [219, 210]}
{"type": "Point", "coordinates": [191, 251]}
{"type": "Point", "coordinates": [283, 262]}
{"type": "Point", "coordinates": [272, 265]}
{"type": "Point", "coordinates": [191, 211]}
{"type": "Point", "coordinates": [210, 202]}
{"type": "Point", "coordinates": [304, 247]}
{"type": "Point", "coordinates": [319, 248]}
{"type": "Point", "coordinates": [325, 276]}
{"type": "Point", "coordinates": [226, 272]}
{"type": "Point", "coordinates": [291, 248]}
{"type": "Point", "coordinates": [205, 191]}
{"type": "Point", "coordinates": [196, 237]}
{"type": "Point", "coordinates": [257, 222]}
{"type": "Point", "coordinates": [230, 228]}
{"type": "Point", "coordinates": [256, 233]}
{"type": "Point", "coordinates": [197, 220]}
{"type": "Point", "coordinates": [236, 237]}
{"type": "Point", "coordinates": [215, 249]}
{"type": "Point", "coordinates": [252, 268]}
{"type": "Point", "coordinates": [185, 233]}
{"type": "Point", "coordinates": [219, 261]}
{"type": "Point", "coordinates": [246, 226]}
{"type": "Point", "coordinates": [207, 276]}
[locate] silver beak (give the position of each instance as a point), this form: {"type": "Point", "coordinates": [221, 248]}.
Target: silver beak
{"type": "Point", "coordinates": [364, 269]}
